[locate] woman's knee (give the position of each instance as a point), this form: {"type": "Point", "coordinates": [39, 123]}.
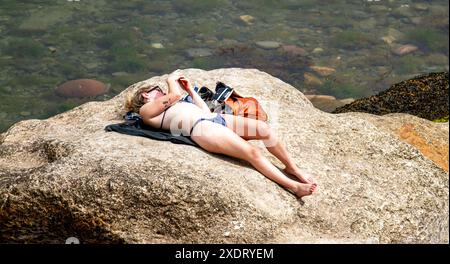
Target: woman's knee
{"type": "Point", "coordinates": [264, 129]}
{"type": "Point", "coordinates": [253, 153]}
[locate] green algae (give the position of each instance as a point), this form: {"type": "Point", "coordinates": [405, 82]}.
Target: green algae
{"type": "Point", "coordinates": [24, 48]}
{"type": "Point", "coordinates": [352, 39]}
{"type": "Point", "coordinates": [66, 106]}
{"type": "Point", "coordinates": [441, 119]}
{"type": "Point", "coordinates": [72, 70]}
{"type": "Point", "coordinates": [429, 38]}
{"type": "Point", "coordinates": [229, 33]}
{"type": "Point", "coordinates": [40, 20]}
{"type": "Point", "coordinates": [277, 33]}
{"type": "Point", "coordinates": [281, 4]}
{"type": "Point", "coordinates": [128, 64]}
{"type": "Point", "coordinates": [408, 64]}
{"type": "Point", "coordinates": [120, 82]}
{"type": "Point", "coordinates": [114, 37]}
{"type": "Point", "coordinates": [200, 63]}
{"type": "Point", "coordinates": [198, 6]}
{"type": "Point", "coordinates": [342, 89]}
{"type": "Point", "coordinates": [80, 37]}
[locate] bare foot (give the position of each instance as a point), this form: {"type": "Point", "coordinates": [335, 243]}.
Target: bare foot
{"type": "Point", "coordinates": [304, 189]}
{"type": "Point", "coordinates": [297, 173]}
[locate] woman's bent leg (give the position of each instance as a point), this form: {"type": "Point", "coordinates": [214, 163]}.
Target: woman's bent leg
{"type": "Point", "coordinates": [249, 129]}
{"type": "Point", "coordinates": [218, 139]}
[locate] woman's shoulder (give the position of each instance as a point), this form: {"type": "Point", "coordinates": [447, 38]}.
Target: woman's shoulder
{"type": "Point", "coordinates": [153, 121]}
{"type": "Point", "coordinates": [144, 109]}
{"type": "Point", "coordinates": [148, 112]}
{"type": "Point", "coordinates": [149, 109]}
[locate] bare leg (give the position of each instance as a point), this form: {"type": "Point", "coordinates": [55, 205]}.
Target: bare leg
{"type": "Point", "coordinates": [218, 139]}
{"type": "Point", "coordinates": [250, 129]}
{"type": "Point", "coordinates": [275, 147]}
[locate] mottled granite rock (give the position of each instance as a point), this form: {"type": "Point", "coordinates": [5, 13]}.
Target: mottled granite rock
{"type": "Point", "coordinates": [430, 138]}
{"type": "Point", "coordinates": [66, 177]}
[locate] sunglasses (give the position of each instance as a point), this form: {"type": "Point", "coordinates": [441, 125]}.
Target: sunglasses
{"type": "Point", "coordinates": [155, 88]}
{"type": "Point", "coordinates": [153, 96]}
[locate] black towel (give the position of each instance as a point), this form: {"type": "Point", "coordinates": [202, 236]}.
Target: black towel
{"type": "Point", "coordinates": [135, 127]}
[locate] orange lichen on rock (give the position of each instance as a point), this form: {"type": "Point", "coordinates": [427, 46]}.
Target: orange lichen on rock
{"type": "Point", "coordinates": [435, 151]}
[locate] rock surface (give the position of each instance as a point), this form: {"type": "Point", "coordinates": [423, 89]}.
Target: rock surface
{"type": "Point", "coordinates": [430, 138]}
{"type": "Point", "coordinates": [81, 88]}
{"type": "Point", "coordinates": [424, 96]}
{"type": "Point", "coordinates": [327, 103]}
{"type": "Point", "coordinates": [66, 177]}
{"type": "Point", "coordinates": [268, 44]}
{"type": "Point", "coordinates": [404, 49]}
{"type": "Point", "coordinates": [323, 71]}
{"type": "Point", "coordinates": [293, 50]}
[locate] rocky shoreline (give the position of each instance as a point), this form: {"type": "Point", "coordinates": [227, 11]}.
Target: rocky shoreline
{"type": "Point", "coordinates": [66, 177]}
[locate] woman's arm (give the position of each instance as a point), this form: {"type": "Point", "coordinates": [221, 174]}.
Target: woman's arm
{"type": "Point", "coordinates": [198, 101]}
{"type": "Point", "coordinates": [156, 107]}
{"type": "Point", "coordinates": [172, 82]}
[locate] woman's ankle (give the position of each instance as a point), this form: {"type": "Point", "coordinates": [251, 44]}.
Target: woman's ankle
{"type": "Point", "coordinates": [292, 168]}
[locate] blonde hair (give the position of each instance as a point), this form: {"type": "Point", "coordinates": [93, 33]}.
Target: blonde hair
{"type": "Point", "coordinates": [134, 101]}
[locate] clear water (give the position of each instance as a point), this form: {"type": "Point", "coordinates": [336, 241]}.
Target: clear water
{"type": "Point", "coordinates": [47, 42]}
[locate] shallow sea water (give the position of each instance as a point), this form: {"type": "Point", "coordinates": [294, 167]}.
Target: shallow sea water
{"type": "Point", "coordinates": [365, 45]}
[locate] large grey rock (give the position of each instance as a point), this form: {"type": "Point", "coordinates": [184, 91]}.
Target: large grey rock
{"type": "Point", "coordinates": [65, 176]}
{"type": "Point", "coordinates": [430, 138]}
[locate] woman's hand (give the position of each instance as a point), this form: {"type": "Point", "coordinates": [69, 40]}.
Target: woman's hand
{"type": "Point", "coordinates": [174, 76]}
{"type": "Point", "coordinates": [177, 78]}
{"type": "Point", "coordinates": [185, 84]}
{"type": "Point", "coordinates": [172, 82]}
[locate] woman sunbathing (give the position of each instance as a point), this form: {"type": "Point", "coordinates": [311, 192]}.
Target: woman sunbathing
{"type": "Point", "coordinates": [217, 133]}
